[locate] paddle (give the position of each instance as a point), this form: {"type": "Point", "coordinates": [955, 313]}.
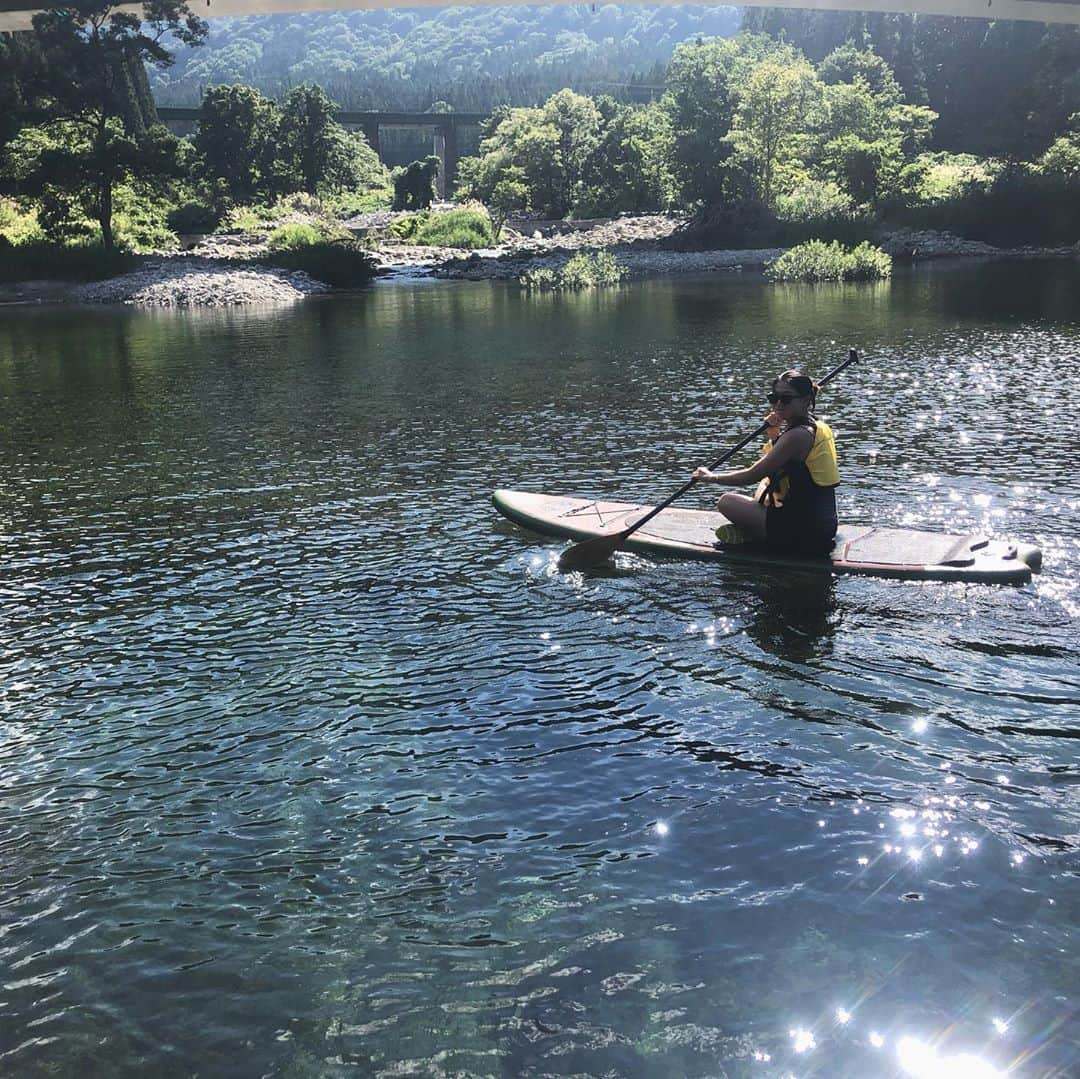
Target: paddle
{"type": "Point", "coordinates": [593, 551]}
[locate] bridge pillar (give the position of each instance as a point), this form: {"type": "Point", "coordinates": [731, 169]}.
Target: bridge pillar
{"type": "Point", "coordinates": [452, 155]}
{"type": "Point", "coordinates": [371, 133]}
{"type": "Point", "coordinates": [439, 149]}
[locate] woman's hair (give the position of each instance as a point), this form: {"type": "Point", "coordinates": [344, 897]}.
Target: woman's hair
{"type": "Point", "coordinates": [801, 383]}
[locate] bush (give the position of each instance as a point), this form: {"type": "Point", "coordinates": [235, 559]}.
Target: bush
{"type": "Point", "coordinates": [192, 217]}
{"type": "Point", "coordinates": [15, 226]}
{"type": "Point", "coordinates": [584, 270]}
{"type": "Point", "coordinates": [49, 260]}
{"type": "Point", "coordinates": [1022, 206]}
{"type": "Point", "coordinates": [813, 200]}
{"type": "Point", "coordinates": [140, 220]}
{"type": "Point", "coordinates": [348, 203]}
{"type": "Point", "coordinates": [293, 236]}
{"type": "Point", "coordinates": [945, 176]}
{"type": "Point", "coordinates": [407, 226]}
{"type": "Point", "coordinates": [465, 227]}
{"type": "Point", "coordinates": [820, 261]}
{"type": "Point", "coordinates": [343, 264]}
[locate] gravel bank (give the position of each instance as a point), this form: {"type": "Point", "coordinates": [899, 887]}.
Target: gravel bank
{"type": "Point", "coordinates": [216, 273]}
{"type": "Point", "coordinates": [196, 282]}
{"type": "Point", "coordinates": [644, 245]}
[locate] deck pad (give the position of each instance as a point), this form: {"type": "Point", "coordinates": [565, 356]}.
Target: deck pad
{"type": "Point", "coordinates": [865, 549]}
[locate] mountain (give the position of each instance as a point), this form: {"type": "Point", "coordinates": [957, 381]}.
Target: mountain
{"type": "Point", "coordinates": [472, 58]}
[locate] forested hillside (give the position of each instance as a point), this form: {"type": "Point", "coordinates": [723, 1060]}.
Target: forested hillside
{"type": "Point", "coordinates": [1000, 88]}
{"type": "Point", "coordinates": [472, 58]}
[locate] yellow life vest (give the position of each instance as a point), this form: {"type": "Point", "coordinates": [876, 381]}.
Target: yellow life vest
{"type": "Point", "coordinates": [820, 463]}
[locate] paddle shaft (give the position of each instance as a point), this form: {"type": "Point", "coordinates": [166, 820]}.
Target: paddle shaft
{"type": "Point", "coordinates": [853, 356]}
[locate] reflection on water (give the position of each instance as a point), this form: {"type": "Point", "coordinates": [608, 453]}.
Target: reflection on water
{"type": "Point", "coordinates": [310, 764]}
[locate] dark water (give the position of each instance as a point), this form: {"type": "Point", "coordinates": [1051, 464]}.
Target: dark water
{"type": "Point", "coordinates": [311, 765]}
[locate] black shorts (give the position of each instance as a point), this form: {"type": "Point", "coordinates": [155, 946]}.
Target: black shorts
{"type": "Point", "coordinates": [798, 533]}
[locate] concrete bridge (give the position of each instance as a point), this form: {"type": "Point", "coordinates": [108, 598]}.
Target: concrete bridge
{"type": "Point", "coordinates": [445, 128]}
{"type": "Point", "coordinates": [16, 14]}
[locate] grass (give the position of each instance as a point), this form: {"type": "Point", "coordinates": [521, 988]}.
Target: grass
{"type": "Point", "coordinates": [820, 261]}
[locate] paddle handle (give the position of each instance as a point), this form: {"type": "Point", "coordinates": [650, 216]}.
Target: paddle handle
{"type": "Point", "coordinates": [852, 357]}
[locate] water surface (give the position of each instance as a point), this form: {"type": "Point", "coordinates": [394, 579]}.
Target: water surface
{"type": "Point", "coordinates": [311, 765]}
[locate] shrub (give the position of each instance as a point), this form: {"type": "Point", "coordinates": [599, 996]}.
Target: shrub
{"type": "Point", "coordinates": [813, 200]}
{"type": "Point", "coordinates": [191, 217]}
{"type": "Point", "coordinates": [293, 236]}
{"type": "Point", "coordinates": [820, 261]}
{"type": "Point", "coordinates": [869, 263]}
{"type": "Point", "coordinates": [15, 226]}
{"type": "Point", "coordinates": [945, 176]}
{"type": "Point", "coordinates": [348, 203]}
{"type": "Point", "coordinates": [407, 226]}
{"type": "Point", "coordinates": [466, 227]}
{"type": "Point", "coordinates": [1023, 205]}
{"type": "Point", "coordinates": [140, 220]}
{"type": "Point", "coordinates": [343, 264]}
{"type": "Point", "coordinates": [584, 270]}
{"type": "Point", "coordinates": [49, 260]}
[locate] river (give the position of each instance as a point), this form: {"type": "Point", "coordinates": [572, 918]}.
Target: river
{"type": "Point", "coordinates": [312, 765]}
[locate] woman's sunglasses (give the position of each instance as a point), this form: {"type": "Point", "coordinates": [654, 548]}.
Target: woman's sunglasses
{"type": "Point", "coordinates": [782, 398]}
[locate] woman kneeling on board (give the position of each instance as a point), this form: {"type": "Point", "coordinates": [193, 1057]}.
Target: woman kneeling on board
{"type": "Point", "coordinates": [795, 511]}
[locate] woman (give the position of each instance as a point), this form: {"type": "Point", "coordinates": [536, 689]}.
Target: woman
{"type": "Point", "coordinates": [795, 512]}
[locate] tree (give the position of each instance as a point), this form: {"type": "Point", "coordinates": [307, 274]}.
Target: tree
{"type": "Point", "coordinates": [628, 171]}
{"type": "Point", "coordinates": [866, 132]}
{"type": "Point", "coordinates": [315, 151]}
{"type": "Point", "coordinates": [414, 185]}
{"type": "Point", "coordinates": [237, 128]}
{"type": "Point", "coordinates": [519, 148]}
{"type": "Point", "coordinates": [701, 98]}
{"type": "Point", "coordinates": [575, 120]}
{"type": "Point", "coordinates": [510, 194]}
{"type": "Point", "coordinates": [1063, 157]}
{"type": "Point", "coordinates": [770, 132]}
{"type": "Point", "coordinates": [93, 57]}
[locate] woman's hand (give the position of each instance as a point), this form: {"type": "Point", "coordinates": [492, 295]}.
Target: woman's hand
{"type": "Point", "coordinates": [703, 475]}
{"type": "Point", "coordinates": [773, 422]}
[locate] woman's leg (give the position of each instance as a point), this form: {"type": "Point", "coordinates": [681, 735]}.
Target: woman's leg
{"type": "Point", "coordinates": [745, 512]}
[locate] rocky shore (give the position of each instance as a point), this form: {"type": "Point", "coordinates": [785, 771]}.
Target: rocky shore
{"type": "Point", "coordinates": [199, 282]}
{"type": "Point", "coordinates": [216, 270]}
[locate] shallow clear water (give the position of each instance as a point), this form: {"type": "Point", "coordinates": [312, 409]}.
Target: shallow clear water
{"type": "Point", "coordinates": [312, 765]}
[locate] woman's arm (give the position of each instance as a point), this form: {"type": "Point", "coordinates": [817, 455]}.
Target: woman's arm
{"type": "Point", "coordinates": [791, 445]}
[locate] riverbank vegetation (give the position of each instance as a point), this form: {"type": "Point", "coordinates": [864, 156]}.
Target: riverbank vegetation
{"type": "Point", "coordinates": [816, 260]}
{"type": "Point", "coordinates": [807, 126]}
{"type": "Point", "coordinates": [466, 227]}
{"type": "Point", "coordinates": [587, 269]}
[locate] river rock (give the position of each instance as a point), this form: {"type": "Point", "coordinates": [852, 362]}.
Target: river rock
{"type": "Point", "coordinates": [188, 282]}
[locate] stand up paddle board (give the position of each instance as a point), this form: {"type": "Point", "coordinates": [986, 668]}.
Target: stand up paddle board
{"type": "Point", "coordinates": [682, 533]}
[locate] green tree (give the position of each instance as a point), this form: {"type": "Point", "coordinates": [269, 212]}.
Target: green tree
{"type": "Point", "coordinates": [771, 129]}
{"type": "Point", "coordinates": [575, 121]}
{"type": "Point", "coordinates": [1063, 157]}
{"type": "Point", "coordinates": [521, 147]}
{"type": "Point", "coordinates": [701, 99]}
{"type": "Point", "coordinates": [628, 170]}
{"type": "Point", "coordinates": [235, 140]}
{"type": "Point", "coordinates": [93, 57]}
{"type": "Point", "coordinates": [510, 195]}
{"type": "Point", "coordinates": [867, 134]}
{"type": "Point", "coordinates": [315, 152]}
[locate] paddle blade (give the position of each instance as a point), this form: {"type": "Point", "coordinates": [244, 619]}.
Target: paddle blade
{"type": "Point", "coordinates": [590, 552]}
